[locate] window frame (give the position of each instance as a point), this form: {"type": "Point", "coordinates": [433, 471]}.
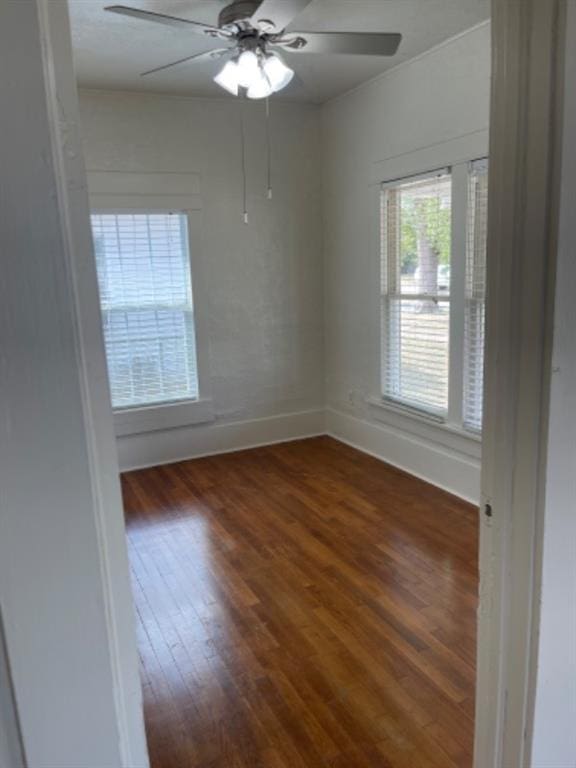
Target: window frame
{"type": "Point", "coordinates": [475, 165]}
{"type": "Point", "coordinates": [121, 193]}
{"type": "Point", "coordinates": [457, 155]}
{"type": "Point", "coordinates": [387, 296]}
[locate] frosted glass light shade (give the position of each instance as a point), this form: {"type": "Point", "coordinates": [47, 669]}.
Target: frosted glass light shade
{"type": "Point", "coordinates": [278, 74]}
{"type": "Point", "coordinates": [260, 87]}
{"type": "Point", "coordinates": [228, 78]}
{"type": "Point", "coordinates": [260, 73]}
{"type": "Point", "coordinates": [248, 69]}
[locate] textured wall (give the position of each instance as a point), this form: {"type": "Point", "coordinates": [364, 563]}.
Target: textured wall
{"type": "Point", "coordinates": [263, 281]}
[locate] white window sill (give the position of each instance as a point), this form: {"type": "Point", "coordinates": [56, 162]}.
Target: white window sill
{"type": "Point", "coordinates": [421, 426]}
{"type": "Point", "coordinates": [153, 418]}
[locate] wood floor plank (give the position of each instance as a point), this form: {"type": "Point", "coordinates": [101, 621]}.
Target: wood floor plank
{"type": "Point", "coordinates": [302, 605]}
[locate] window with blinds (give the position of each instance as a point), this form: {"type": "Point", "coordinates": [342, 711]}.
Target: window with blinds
{"type": "Point", "coordinates": [416, 253]}
{"type": "Point", "coordinates": [144, 278]}
{"type": "Point", "coordinates": [475, 295]}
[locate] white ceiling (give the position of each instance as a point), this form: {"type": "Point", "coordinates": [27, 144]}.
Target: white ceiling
{"type": "Point", "coordinates": [111, 51]}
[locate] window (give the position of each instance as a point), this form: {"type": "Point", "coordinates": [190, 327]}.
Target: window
{"type": "Point", "coordinates": [433, 236]}
{"type": "Point", "coordinates": [416, 226]}
{"type": "Point", "coordinates": [475, 294]}
{"type": "Point", "coordinates": [143, 267]}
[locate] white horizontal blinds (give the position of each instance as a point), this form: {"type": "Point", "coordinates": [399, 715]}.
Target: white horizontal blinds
{"type": "Point", "coordinates": [416, 250]}
{"type": "Point", "coordinates": [475, 295]}
{"type": "Point", "coordinates": [145, 286]}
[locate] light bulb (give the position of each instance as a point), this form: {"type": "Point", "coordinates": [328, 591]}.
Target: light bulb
{"type": "Point", "coordinates": [228, 79]}
{"type": "Point", "coordinates": [248, 69]}
{"type": "Point", "coordinates": [278, 74]}
{"type": "Point", "coordinates": [260, 87]}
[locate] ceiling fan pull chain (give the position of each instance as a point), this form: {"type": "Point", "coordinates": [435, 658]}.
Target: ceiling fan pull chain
{"type": "Point", "coordinates": [243, 143]}
{"type": "Point", "coordinates": [269, 147]}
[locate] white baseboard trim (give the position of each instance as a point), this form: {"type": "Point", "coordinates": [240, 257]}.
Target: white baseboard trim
{"type": "Point", "coordinates": [447, 469]}
{"type": "Point", "coordinates": [443, 467]}
{"type": "Point", "coordinates": [191, 442]}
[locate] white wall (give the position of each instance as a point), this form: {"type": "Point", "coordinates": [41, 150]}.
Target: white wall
{"type": "Point", "coordinates": [261, 284]}
{"type": "Point", "coordinates": [10, 747]}
{"type": "Point", "coordinates": [58, 475]}
{"type": "Point", "coordinates": [436, 98]}
{"type": "Point", "coordinates": [554, 738]}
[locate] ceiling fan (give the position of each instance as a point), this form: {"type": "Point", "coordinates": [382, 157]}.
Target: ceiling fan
{"type": "Point", "coordinates": [251, 32]}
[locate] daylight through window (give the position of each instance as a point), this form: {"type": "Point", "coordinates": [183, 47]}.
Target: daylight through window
{"type": "Point", "coordinates": [419, 293]}
{"type": "Point", "coordinates": [145, 287]}
{"type": "Point", "coordinates": [416, 225]}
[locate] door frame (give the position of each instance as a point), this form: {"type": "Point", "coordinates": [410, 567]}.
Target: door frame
{"type": "Point", "coordinates": [73, 200]}
{"type": "Point", "coordinates": [525, 145]}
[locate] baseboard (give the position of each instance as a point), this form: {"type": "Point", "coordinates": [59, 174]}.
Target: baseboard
{"type": "Point", "coordinates": [171, 445]}
{"type": "Point", "coordinates": [447, 469]}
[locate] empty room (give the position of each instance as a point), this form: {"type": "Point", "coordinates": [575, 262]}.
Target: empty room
{"type": "Point", "coordinates": [285, 448]}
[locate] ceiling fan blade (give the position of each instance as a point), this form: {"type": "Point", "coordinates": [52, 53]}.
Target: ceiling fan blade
{"type": "Point", "coordinates": [217, 54]}
{"type": "Point", "coordinates": [170, 21]}
{"type": "Point", "coordinates": [279, 12]}
{"type": "Point", "coordinates": [358, 43]}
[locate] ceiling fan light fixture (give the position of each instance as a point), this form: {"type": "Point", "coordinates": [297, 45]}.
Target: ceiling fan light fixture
{"type": "Point", "coordinates": [278, 74]}
{"type": "Point", "coordinates": [248, 69]}
{"type": "Point", "coordinates": [228, 78]}
{"type": "Point", "coordinates": [260, 88]}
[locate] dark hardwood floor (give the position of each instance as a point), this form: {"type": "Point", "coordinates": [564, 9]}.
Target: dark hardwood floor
{"type": "Point", "coordinates": [303, 605]}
